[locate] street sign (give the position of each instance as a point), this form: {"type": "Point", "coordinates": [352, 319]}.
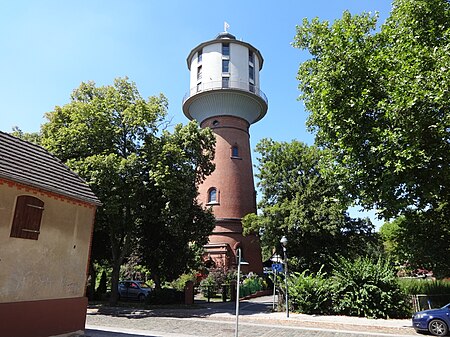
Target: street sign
{"type": "Point", "coordinates": [278, 267]}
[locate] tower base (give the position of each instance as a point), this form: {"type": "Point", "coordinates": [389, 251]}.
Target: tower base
{"type": "Point", "coordinates": [227, 237]}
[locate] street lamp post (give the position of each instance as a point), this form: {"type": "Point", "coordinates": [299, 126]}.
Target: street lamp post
{"type": "Point", "coordinates": [239, 263]}
{"type": "Point", "coordinates": [284, 242]}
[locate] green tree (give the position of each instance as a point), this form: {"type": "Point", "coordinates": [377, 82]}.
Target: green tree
{"type": "Point", "coordinates": [378, 100]}
{"type": "Point", "coordinates": [388, 233]}
{"type": "Point", "coordinates": [418, 241]}
{"type": "Point", "coordinates": [301, 203]}
{"type": "Point", "coordinates": [33, 137]}
{"type": "Point", "coordinates": [111, 136]}
{"type": "Point", "coordinates": [176, 224]}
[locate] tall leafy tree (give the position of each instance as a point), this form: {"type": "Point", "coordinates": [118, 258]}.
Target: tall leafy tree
{"type": "Point", "coordinates": [418, 242]}
{"type": "Point", "coordinates": [175, 224]}
{"type": "Point", "coordinates": [379, 101]}
{"type": "Point", "coordinates": [112, 137]}
{"type": "Point", "coordinates": [301, 203]}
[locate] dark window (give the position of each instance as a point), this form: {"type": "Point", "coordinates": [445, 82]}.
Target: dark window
{"type": "Point", "coordinates": [200, 55]}
{"type": "Point", "coordinates": [225, 82]}
{"type": "Point", "coordinates": [199, 73]}
{"type": "Point", "coordinates": [27, 217]}
{"type": "Point", "coordinates": [212, 195]}
{"type": "Point", "coordinates": [225, 66]}
{"type": "Point", "coordinates": [199, 86]}
{"type": "Point", "coordinates": [251, 58]}
{"type": "Point", "coordinates": [251, 73]}
{"type": "Point", "coordinates": [235, 151]}
{"type": "Point", "coordinates": [251, 87]}
{"type": "Point", "coordinates": [225, 49]}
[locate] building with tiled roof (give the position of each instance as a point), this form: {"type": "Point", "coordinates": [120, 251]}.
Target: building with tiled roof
{"type": "Point", "coordinates": [47, 216]}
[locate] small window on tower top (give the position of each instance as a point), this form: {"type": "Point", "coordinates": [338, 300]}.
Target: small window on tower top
{"type": "Point", "coordinates": [225, 49]}
{"type": "Point", "coordinates": [251, 58]}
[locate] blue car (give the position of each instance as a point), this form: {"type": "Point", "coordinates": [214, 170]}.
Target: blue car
{"type": "Point", "coordinates": [435, 321]}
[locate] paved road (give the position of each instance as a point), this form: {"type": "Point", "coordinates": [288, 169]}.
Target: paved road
{"type": "Point", "coordinates": [218, 320]}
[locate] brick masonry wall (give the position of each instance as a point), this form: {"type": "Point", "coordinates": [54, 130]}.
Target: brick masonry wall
{"type": "Point", "coordinates": [233, 180]}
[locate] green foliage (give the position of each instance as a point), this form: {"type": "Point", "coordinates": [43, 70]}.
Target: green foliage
{"type": "Point", "coordinates": [366, 288]}
{"type": "Point", "coordinates": [251, 285]}
{"type": "Point", "coordinates": [212, 284]}
{"type": "Point", "coordinates": [301, 203]}
{"type": "Point", "coordinates": [33, 137]}
{"type": "Point", "coordinates": [310, 293]}
{"type": "Point", "coordinates": [388, 233]}
{"type": "Point", "coordinates": [408, 239]}
{"type": "Point", "coordinates": [378, 101]}
{"type": "Point", "coordinates": [101, 289]}
{"type": "Point", "coordinates": [145, 177]}
{"type": "Point", "coordinates": [425, 287]}
{"type": "Point", "coordinates": [180, 283]}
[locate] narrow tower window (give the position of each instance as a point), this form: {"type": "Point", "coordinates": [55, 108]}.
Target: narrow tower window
{"type": "Point", "coordinates": [225, 66]}
{"type": "Point", "coordinates": [212, 195]}
{"type": "Point", "coordinates": [200, 55]}
{"type": "Point", "coordinates": [225, 49]}
{"type": "Point", "coordinates": [225, 82]}
{"type": "Point", "coordinates": [251, 58]}
{"type": "Point", "coordinates": [199, 73]}
{"type": "Point", "coordinates": [251, 73]}
{"type": "Point", "coordinates": [235, 151]}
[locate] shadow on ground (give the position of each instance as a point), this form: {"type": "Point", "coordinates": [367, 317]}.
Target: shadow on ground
{"type": "Point", "coordinates": [200, 309]}
{"type": "Point", "coordinates": [101, 333]}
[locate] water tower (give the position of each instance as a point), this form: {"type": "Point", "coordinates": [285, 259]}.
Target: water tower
{"type": "Point", "coordinates": [225, 96]}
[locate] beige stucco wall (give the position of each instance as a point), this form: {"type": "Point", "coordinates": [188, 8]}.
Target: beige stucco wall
{"type": "Point", "coordinates": [54, 266]}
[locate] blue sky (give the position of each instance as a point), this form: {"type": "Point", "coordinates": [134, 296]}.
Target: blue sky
{"type": "Point", "coordinates": [49, 47]}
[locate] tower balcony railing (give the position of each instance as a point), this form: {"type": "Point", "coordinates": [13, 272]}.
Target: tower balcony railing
{"type": "Point", "coordinates": [225, 85]}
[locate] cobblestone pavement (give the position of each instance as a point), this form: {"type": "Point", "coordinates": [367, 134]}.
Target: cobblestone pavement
{"type": "Point", "coordinates": [218, 320]}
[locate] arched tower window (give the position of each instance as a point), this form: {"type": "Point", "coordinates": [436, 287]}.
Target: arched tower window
{"type": "Point", "coordinates": [235, 151]}
{"type": "Point", "coordinates": [212, 196]}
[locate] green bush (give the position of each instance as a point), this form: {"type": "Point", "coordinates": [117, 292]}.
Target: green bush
{"type": "Point", "coordinates": [366, 288]}
{"type": "Point", "coordinates": [180, 283]}
{"type": "Point", "coordinates": [215, 280]}
{"type": "Point", "coordinates": [310, 293]}
{"type": "Point", "coordinates": [251, 285]}
{"type": "Point", "coordinates": [425, 287]}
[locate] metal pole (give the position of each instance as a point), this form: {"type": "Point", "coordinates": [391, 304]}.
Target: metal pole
{"type": "Point", "coordinates": [286, 280]}
{"type": "Point", "coordinates": [237, 293]}
{"type": "Point", "coordinates": [274, 288]}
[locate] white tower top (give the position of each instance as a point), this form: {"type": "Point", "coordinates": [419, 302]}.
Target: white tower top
{"type": "Point", "coordinates": [224, 80]}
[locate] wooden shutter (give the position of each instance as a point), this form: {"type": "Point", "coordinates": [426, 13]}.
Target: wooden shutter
{"type": "Point", "coordinates": [27, 217]}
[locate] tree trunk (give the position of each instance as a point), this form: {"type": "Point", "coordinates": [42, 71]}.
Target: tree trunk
{"type": "Point", "coordinates": [115, 281]}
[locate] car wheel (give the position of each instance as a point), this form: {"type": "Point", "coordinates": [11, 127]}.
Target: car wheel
{"type": "Point", "coordinates": [141, 297]}
{"type": "Point", "coordinates": [437, 327]}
